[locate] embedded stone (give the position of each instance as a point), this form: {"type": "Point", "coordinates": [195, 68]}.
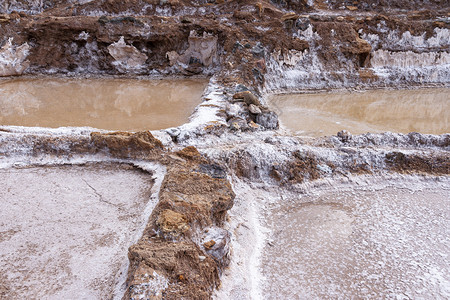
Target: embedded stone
{"type": "Point", "coordinates": [248, 97]}
{"type": "Point", "coordinates": [254, 109]}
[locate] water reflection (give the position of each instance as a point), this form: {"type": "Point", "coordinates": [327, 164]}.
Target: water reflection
{"type": "Point", "coordinates": [425, 111]}
{"type": "Point", "coordinates": [116, 104]}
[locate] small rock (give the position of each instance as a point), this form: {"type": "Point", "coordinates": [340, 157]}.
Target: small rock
{"type": "Point", "coordinates": [268, 120]}
{"type": "Point", "coordinates": [237, 123]}
{"type": "Point", "coordinates": [233, 110]}
{"type": "Point", "coordinates": [344, 135]}
{"type": "Point", "coordinates": [258, 50]}
{"type": "Point", "coordinates": [221, 247]}
{"type": "Point", "coordinates": [213, 170]}
{"type": "Point", "coordinates": [209, 245]}
{"type": "Point", "coordinates": [270, 140]}
{"type": "Point", "coordinates": [241, 88]}
{"type": "Point", "coordinates": [248, 97]}
{"type": "Point", "coordinates": [254, 109]}
{"type": "Point", "coordinates": [127, 55]}
{"type": "Point", "coordinates": [253, 126]}
{"type": "Point", "coordinates": [201, 257]}
{"type": "Point", "coordinates": [173, 132]}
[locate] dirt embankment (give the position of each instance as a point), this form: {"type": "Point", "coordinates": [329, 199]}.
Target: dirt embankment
{"type": "Point", "coordinates": [235, 38]}
{"type": "Point", "coordinates": [184, 247]}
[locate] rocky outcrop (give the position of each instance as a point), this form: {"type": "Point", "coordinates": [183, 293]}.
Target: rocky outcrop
{"type": "Point", "coordinates": [185, 271]}
{"type": "Point", "coordinates": [202, 53]}
{"type": "Point", "coordinates": [256, 44]}
{"type": "Point", "coordinates": [13, 58]}
{"type": "Point", "coordinates": [126, 57]}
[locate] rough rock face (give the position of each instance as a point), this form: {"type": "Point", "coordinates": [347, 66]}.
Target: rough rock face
{"type": "Point", "coordinates": [202, 52]}
{"type": "Point", "coordinates": [13, 58]}
{"type": "Point", "coordinates": [268, 120]}
{"type": "Point", "coordinates": [315, 45]}
{"type": "Point", "coordinates": [127, 57]}
{"type": "Point", "coordinates": [192, 274]}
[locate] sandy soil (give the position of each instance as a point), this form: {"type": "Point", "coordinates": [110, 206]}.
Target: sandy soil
{"type": "Point", "coordinates": [65, 231]}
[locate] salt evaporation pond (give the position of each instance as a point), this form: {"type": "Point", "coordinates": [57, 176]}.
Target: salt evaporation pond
{"type": "Point", "coordinates": [105, 103]}
{"type": "Point", "coordinates": [65, 230]}
{"type": "Point", "coordinates": [388, 241]}
{"type": "Point", "coordinates": [403, 111]}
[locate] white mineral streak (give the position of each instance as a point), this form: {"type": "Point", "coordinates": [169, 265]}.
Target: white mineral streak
{"type": "Point", "coordinates": [407, 41]}
{"type": "Point", "coordinates": [408, 59]}
{"type": "Point", "coordinates": [13, 59]}
{"type": "Point", "coordinates": [31, 6]}
{"type": "Point", "coordinates": [201, 47]}
{"type": "Point", "coordinates": [126, 56]}
{"type": "Point", "coordinates": [296, 69]}
{"type": "Point", "coordinates": [289, 58]}
{"type": "Point", "coordinates": [153, 287]}
{"type": "Point", "coordinates": [395, 59]}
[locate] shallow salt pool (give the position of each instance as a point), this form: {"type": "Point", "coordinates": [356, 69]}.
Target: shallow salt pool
{"type": "Point", "coordinates": [403, 111]}
{"type": "Point", "coordinates": [360, 243]}
{"type": "Point", "coordinates": [104, 103]}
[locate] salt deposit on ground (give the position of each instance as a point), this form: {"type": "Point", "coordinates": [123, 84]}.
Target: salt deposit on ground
{"type": "Point", "coordinates": [65, 230]}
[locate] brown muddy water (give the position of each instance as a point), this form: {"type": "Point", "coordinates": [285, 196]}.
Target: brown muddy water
{"type": "Point", "coordinates": [402, 111]}
{"type": "Point", "coordinates": [360, 243]}
{"type": "Point", "coordinates": [65, 230]}
{"type": "Point", "coordinates": [104, 103]}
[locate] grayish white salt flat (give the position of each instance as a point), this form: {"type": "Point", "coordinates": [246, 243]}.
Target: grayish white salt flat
{"type": "Point", "coordinates": [360, 243]}
{"type": "Point", "coordinates": [65, 230]}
